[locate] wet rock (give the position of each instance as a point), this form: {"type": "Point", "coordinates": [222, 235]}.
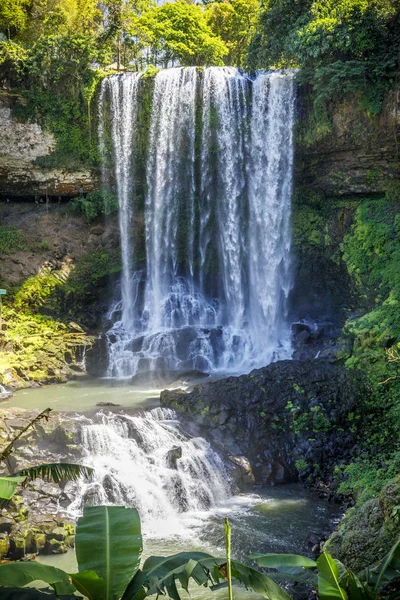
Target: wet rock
{"type": "Point", "coordinates": [288, 413]}
{"type": "Point", "coordinates": [5, 524]}
{"type": "Point", "coordinates": [107, 404]}
{"type": "Point", "coordinates": [173, 456]}
{"type": "Point", "coordinates": [244, 472]}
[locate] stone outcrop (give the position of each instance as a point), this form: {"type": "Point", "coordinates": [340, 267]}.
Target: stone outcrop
{"type": "Point", "coordinates": [367, 532]}
{"type": "Point", "coordinates": [358, 154]}
{"type": "Point", "coordinates": [21, 144]}
{"type": "Point", "coordinates": [288, 418]}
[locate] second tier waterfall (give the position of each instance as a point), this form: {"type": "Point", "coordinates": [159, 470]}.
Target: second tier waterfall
{"type": "Point", "coordinates": [214, 214]}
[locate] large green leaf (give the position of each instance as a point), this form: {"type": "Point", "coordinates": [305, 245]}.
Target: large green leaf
{"type": "Point", "coordinates": [160, 575]}
{"type": "Point", "coordinates": [290, 567]}
{"type": "Point", "coordinates": [108, 541]}
{"type": "Point", "coordinates": [56, 472]}
{"type": "Point", "coordinates": [22, 573]}
{"type": "Point", "coordinates": [12, 593]}
{"type": "Point", "coordinates": [387, 569]}
{"type": "Point", "coordinates": [89, 584]}
{"type": "Point", "coordinates": [275, 561]}
{"type": "Point", "coordinates": [8, 486]}
{"type": "Point", "coordinates": [328, 579]}
{"type": "Point", "coordinates": [356, 589]}
{"type": "Point", "coordinates": [258, 582]}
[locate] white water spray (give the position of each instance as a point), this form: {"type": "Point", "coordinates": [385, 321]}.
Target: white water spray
{"type": "Point", "coordinates": [145, 461]}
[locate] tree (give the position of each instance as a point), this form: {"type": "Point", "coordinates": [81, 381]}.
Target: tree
{"type": "Point", "coordinates": [234, 21]}
{"type": "Point", "coordinates": [13, 16]}
{"type": "Point", "coordinates": [178, 32]}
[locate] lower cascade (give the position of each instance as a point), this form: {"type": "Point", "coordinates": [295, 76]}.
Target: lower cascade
{"type": "Point", "coordinates": [212, 294]}
{"type": "Point", "coordinates": [146, 461]}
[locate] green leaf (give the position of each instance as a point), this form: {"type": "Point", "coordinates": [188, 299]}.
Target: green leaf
{"type": "Point", "coordinates": [22, 573]}
{"type": "Point", "coordinates": [387, 569]}
{"type": "Point", "coordinates": [8, 486]}
{"type": "Point", "coordinates": [328, 579]}
{"type": "Point", "coordinates": [89, 584]}
{"type": "Point", "coordinates": [258, 582]}
{"type": "Point", "coordinates": [12, 593]}
{"type": "Point", "coordinates": [159, 573]}
{"type": "Point", "coordinates": [108, 541]}
{"type": "Point", "coordinates": [356, 589]}
{"type": "Point", "coordinates": [275, 561]}
{"type": "Point", "coordinates": [57, 472]}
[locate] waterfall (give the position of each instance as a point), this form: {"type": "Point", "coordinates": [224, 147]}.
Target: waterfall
{"type": "Point", "coordinates": [270, 190]}
{"type": "Point", "coordinates": [145, 461]}
{"type": "Point", "coordinates": [170, 183]}
{"type": "Point", "coordinates": [216, 217]}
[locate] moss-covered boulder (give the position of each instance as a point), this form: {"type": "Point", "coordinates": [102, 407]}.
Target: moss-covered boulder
{"type": "Point", "coordinates": [368, 531]}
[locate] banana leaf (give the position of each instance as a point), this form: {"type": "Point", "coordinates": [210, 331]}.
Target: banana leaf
{"type": "Point", "coordinates": [8, 486]}
{"type": "Point", "coordinates": [56, 472]}
{"type": "Point", "coordinates": [329, 587]}
{"type": "Point", "coordinates": [108, 541]}
{"type": "Point", "coordinates": [22, 573]}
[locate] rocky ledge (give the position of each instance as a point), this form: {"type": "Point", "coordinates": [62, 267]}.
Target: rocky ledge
{"type": "Point", "coordinates": [290, 419]}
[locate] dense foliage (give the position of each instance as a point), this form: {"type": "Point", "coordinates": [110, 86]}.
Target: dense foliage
{"type": "Point", "coordinates": [56, 52]}
{"type": "Point", "coordinates": [342, 46]}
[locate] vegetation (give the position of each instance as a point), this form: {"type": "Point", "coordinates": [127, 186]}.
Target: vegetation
{"type": "Point", "coordinates": [55, 52]}
{"type": "Point", "coordinates": [111, 573]}
{"type": "Point", "coordinates": [11, 240]}
{"type": "Point", "coordinates": [343, 47]}
{"type": "Point", "coordinates": [49, 472]}
{"type": "Point", "coordinates": [94, 204]}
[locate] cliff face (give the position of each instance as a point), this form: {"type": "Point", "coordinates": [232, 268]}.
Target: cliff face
{"type": "Point", "coordinates": [21, 145]}
{"type": "Point", "coordinates": [357, 154]}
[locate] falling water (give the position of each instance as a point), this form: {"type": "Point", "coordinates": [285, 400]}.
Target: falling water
{"type": "Point", "coordinates": [122, 91]}
{"type": "Point", "coordinates": [270, 190]}
{"type": "Point", "coordinates": [170, 180]}
{"type": "Point", "coordinates": [147, 462]}
{"type": "Point", "coordinates": [217, 222]}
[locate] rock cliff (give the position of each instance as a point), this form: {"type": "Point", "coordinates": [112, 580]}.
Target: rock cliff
{"type": "Point", "coordinates": [21, 145]}
{"type": "Point", "coordinates": [355, 154]}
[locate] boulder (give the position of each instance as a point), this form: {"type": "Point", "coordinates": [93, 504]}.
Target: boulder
{"type": "Point", "coordinates": [173, 456]}
{"type": "Point", "coordinates": [288, 413]}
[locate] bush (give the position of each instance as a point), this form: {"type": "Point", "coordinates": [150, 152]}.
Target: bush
{"type": "Point", "coordinates": [95, 204]}
{"type": "Point", "coordinates": [12, 240]}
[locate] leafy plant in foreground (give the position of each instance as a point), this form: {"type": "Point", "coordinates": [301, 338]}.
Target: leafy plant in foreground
{"type": "Point", "coordinates": [108, 550]}
{"type": "Point", "coordinates": [333, 580]}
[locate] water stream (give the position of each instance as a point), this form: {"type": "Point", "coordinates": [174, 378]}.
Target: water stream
{"type": "Point", "coordinates": [213, 293]}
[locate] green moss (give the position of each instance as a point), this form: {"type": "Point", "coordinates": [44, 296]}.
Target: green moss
{"type": "Point", "coordinates": [301, 464]}
{"type": "Point", "coordinates": [68, 112]}
{"type": "Point", "coordinates": [91, 268]}
{"type": "Point", "coordinates": [368, 530]}
{"type": "Point", "coordinates": [12, 240]}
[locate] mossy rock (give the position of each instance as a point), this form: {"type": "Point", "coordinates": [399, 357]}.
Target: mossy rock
{"type": "Point", "coordinates": [367, 532]}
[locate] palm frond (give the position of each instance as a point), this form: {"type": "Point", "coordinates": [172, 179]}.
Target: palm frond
{"type": "Point", "coordinates": [56, 472]}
